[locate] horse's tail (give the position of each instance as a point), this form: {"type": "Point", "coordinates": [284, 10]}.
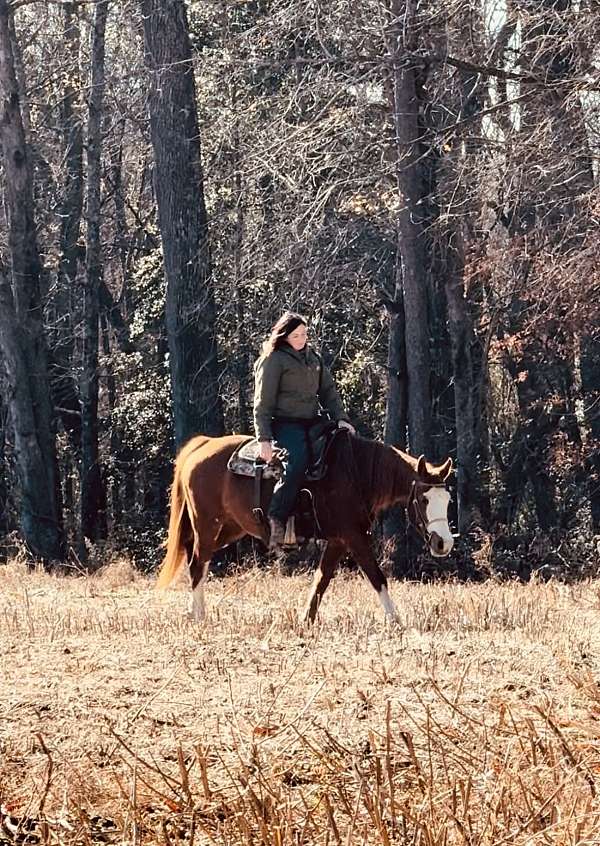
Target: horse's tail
{"type": "Point", "coordinates": [180, 525]}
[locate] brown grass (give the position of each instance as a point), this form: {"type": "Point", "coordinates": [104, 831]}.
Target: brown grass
{"type": "Point", "coordinates": [120, 721]}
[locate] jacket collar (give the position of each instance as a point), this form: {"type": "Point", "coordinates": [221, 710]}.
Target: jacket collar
{"type": "Point", "coordinates": [302, 355]}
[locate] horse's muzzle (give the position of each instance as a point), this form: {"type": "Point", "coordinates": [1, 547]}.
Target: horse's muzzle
{"type": "Point", "coordinates": [439, 547]}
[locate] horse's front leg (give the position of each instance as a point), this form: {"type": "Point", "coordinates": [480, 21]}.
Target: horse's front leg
{"type": "Point", "coordinates": [329, 559]}
{"type": "Point", "coordinates": [360, 549]}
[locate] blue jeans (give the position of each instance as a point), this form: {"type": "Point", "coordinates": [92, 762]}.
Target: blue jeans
{"type": "Point", "coordinates": [293, 437]}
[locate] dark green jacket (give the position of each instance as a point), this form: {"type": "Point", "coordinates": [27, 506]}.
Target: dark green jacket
{"type": "Point", "coordinates": [290, 384]}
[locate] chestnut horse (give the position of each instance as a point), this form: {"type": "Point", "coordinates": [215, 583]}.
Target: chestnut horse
{"type": "Point", "coordinates": [211, 508]}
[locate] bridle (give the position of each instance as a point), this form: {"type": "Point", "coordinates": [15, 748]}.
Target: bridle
{"type": "Point", "coordinates": [421, 525]}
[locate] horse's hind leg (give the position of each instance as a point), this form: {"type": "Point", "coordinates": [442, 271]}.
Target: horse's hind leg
{"type": "Point", "coordinates": [199, 555]}
{"type": "Point", "coordinates": [331, 555]}
{"type": "Point", "coordinates": [198, 574]}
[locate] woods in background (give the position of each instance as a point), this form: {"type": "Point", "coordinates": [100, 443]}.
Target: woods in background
{"type": "Point", "coordinates": [420, 179]}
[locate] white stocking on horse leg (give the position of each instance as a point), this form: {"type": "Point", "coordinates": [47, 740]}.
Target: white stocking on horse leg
{"type": "Point", "coordinates": [197, 611]}
{"type": "Point", "coordinates": [391, 612]}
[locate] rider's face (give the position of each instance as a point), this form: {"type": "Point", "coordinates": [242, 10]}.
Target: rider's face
{"type": "Point", "coordinates": [297, 338]}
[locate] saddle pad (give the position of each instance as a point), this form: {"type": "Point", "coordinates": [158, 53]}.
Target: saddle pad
{"type": "Point", "coordinates": [244, 460]}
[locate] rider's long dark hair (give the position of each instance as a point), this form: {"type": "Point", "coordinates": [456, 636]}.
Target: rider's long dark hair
{"type": "Point", "coordinates": [288, 321]}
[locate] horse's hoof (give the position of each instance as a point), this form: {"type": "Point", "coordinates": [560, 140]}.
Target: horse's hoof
{"type": "Point", "coordinates": [194, 617]}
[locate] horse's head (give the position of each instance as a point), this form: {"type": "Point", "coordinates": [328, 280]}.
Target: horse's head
{"type": "Point", "coordinates": [427, 506]}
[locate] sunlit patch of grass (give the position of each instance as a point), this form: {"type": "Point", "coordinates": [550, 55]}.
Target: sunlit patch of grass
{"type": "Point", "coordinates": [473, 722]}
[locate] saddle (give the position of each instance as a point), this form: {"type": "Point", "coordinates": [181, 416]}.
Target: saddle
{"type": "Point", "coordinates": [246, 461]}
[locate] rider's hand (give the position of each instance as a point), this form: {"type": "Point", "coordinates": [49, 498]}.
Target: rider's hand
{"type": "Point", "coordinates": [266, 451]}
{"type": "Point", "coordinates": [343, 424]}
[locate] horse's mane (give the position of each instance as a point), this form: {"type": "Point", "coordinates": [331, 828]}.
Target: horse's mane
{"type": "Point", "coordinates": [383, 473]}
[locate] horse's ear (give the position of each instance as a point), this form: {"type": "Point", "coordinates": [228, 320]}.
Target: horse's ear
{"type": "Point", "coordinates": [445, 469]}
{"type": "Point", "coordinates": [421, 466]}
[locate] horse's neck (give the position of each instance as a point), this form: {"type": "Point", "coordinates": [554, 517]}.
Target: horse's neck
{"type": "Point", "coordinates": [387, 475]}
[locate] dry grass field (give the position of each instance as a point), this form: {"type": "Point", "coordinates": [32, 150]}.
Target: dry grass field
{"type": "Point", "coordinates": [477, 722]}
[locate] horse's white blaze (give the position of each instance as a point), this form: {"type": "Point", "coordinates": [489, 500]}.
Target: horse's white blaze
{"type": "Point", "coordinates": [390, 609]}
{"type": "Point", "coordinates": [436, 515]}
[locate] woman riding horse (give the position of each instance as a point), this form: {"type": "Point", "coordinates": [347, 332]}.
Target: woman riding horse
{"type": "Point", "coordinates": [290, 383]}
{"type": "Point", "coordinates": [212, 507]}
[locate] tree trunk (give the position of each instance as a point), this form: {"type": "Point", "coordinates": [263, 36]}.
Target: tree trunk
{"type": "Point", "coordinates": [590, 383]}
{"type": "Point", "coordinates": [4, 525]}
{"type": "Point", "coordinates": [21, 330]}
{"type": "Point", "coordinates": [410, 234]}
{"type": "Point", "coordinates": [394, 521]}
{"type": "Point", "coordinates": [114, 309]}
{"type": "Point", "coordinates": [190, 307]}
{"type": "Point", "coordinates": [116, 183]}
{"type": "Point", "coordinates": [63, 385]}
{"type": "Point", "coordinates": [396, 405]}
{"type": "Point", "coordinates": [113, 504]}
{"type": "Point", "coordinates": [93, 497]}
{"type": "Point", "coordinates": [30, 411]}
{"type": "Point", "coordinates": [243, 370]}
{"type": "Point", "coordinates": [465, 396]}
